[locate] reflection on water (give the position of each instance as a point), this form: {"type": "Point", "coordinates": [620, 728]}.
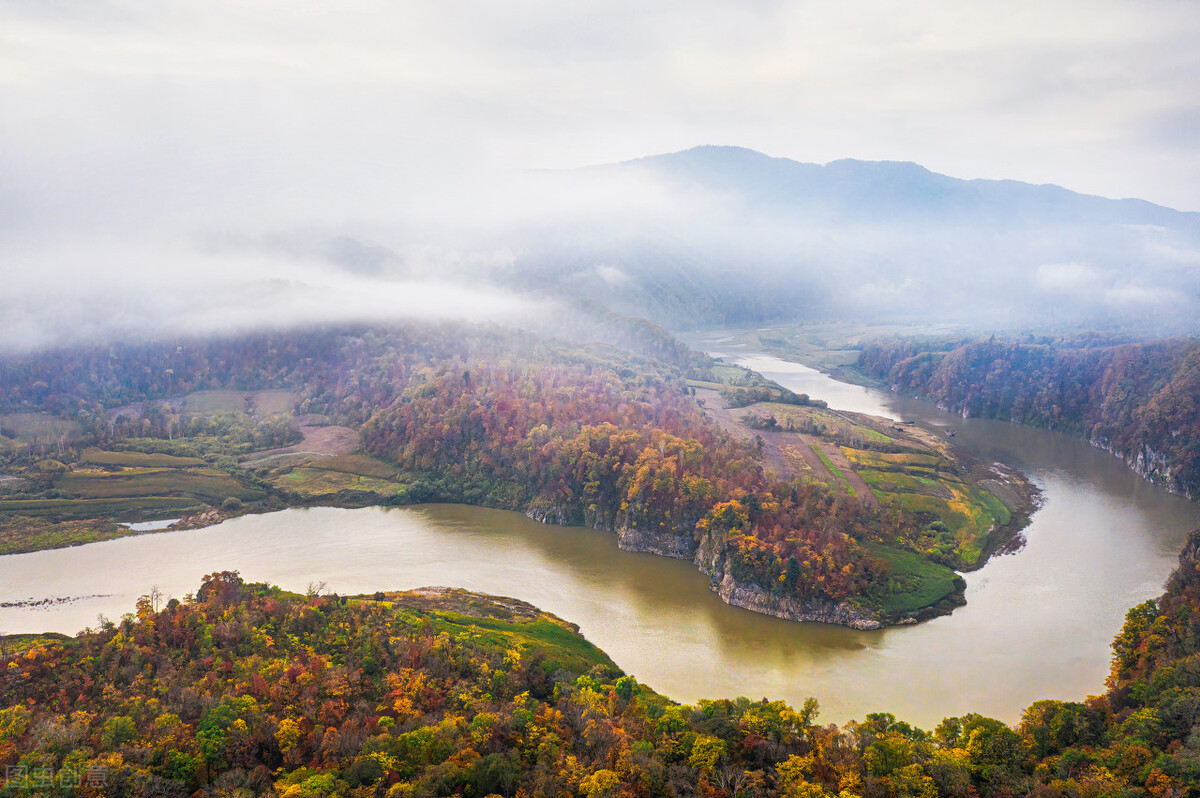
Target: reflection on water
{"type": "Point", "coordinates": [152, 526]}
{"type": "Point", "coordinates": [1038, 623]}
{"type": "Point", "coordinates": [802, 379]}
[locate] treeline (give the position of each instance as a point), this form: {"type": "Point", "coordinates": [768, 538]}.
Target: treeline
{"type": "Point", "coordinates": [246, 690]}
{"type": "Point", "coordinates": [64, 381]}
{"type": "Point", "coordinates": [1139, 400]}
{"type": "Point", "coordinates": [744, 397]}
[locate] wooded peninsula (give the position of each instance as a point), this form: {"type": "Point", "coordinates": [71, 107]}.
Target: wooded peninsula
{"type": "Point", "coordinates": [637, 437]}
{"type": "Point", "coordinates": [791, 508]}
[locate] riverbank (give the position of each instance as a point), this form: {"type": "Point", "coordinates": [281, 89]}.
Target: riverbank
{"type": "Point", "coordinates": [20, 535]}
{"type": "Point", "coordinates": [1037, 624]}
{"type": "Point", "coordinates": [915, 592]}
{"type": "Point", "coordinates": [462, 663]}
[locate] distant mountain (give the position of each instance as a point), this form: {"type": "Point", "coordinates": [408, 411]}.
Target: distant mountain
{"type": "Point", "coordinates": [887, 190]}
{"type": "Point", "coordinates": [753, 238]}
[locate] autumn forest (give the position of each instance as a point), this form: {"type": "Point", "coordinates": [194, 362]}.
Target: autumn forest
{"type": "Point", "coordinates": [243, 688]}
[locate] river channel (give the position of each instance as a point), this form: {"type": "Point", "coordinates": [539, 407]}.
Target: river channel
{"type": "Point", "coordinates": [1038, 622]}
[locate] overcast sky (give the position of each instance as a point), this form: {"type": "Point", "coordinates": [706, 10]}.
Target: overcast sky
{"type": "Point", "coordinates": [111, 98]}
{"type": "Point", "coordinates": [137, 121]}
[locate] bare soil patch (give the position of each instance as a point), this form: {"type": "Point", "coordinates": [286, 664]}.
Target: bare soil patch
{"type": "Point", "coordinates": [787, 455]}
{"type": "Point", "coordinates": [319, 442]}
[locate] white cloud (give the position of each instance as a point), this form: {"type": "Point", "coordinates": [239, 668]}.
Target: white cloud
{"type": "Point", "coordinates": [1118, 290]}
{"type": "Point", "coordinates": [612, 275]}
{"type": "Point", "coordinates": [75, 293]}
{"type": "Point", "coordinates": [1076, 279]}
{"type": "Point", "coordinates": [131, 129]}
{"type": "Point", "coordinates": [1066, 91]}
{"type": "Point", "coordinates": [1132, 298]}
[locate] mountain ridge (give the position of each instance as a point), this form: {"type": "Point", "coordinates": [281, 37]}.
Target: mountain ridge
{"type": "Point", "coordinates": [731, 236]}
{"type": "Point", "coordinates": [723, 156]}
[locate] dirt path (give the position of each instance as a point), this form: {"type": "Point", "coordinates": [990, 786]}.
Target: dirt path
{"type": "Point", "coordinates": [714, 406]}
{"type": "Point", "coordinates": [800, 459]}
{"type": "Point", "coordinates": [787, 455]}
{"type": "Point", "coordinates": [841, 463]}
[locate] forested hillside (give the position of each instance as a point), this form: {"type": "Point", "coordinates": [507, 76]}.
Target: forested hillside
{"type": "Point", "coordinates": [572, 434]}
{"type": "Point", "coordinates": [246, 690]}
{"type": "Point", "coordinates": [1139, 400]}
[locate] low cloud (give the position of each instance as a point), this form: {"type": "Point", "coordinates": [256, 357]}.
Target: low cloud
{"type": "Point", "coordinates": [1108, 293]}
{"type": "Point", "coordinates": [1139, 298]}
{"type": "Point", "coordinates": [93, 294]}
{"type": "Point", "coordinates": [612, 275]}
{"type": "Point", "coordinates": [186, 165]}
{"type": "Point", "coordinates": [1073, 279]}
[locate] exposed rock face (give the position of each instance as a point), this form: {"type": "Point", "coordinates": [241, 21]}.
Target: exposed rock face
{"type": "Point", "coordinates": [1149, 464]}
{"type": "Point", "coordinates": [664, 544]}
{"type": "Point", "coordinates": [1156, 467]}
{"type": "Point", "coordinates": [201, 520]}
{"type": "Point", "coordinates": [547, 514]}
{"type": "Point", "coordinates": [753, 597]}
{"type": "Point", "coordinates": [709, 556]}
{"type": "Point", "coordinates": [712, 560]}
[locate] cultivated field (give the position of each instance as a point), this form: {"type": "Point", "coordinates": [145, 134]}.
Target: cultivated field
{"type": "Point", "coordinates": [879, 462]}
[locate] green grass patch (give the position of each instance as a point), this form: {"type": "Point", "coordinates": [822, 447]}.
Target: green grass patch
{"type": "Point", "coordinates": [993, 505]}
{"type": "Point", "coordinates": [741, 387]}
{"type": "Point", "coordinates": [20, 534]}
{"type": "Point", "coordinates": [558, 645]}
{"type": "Point", "coordinates": [359, 464]}
{"type": "Point", "coordinates": [965, 513]}
{"type": "Point", "coordinates": [969, 518]}
{"type": "Point", "coordinates": [139, 459]}
{"type": "Point", "coordinates": [901, 482]}
{"type": "Point", "coordinates": [837, 472]}
{"type": "Point", "coordinates": [940, 508]}
{"type": "Point", "coordinates": [214, 403]}
{"type": "Point", "coordinates": [913, 581]}
{"type": "Point", "coordinates": [125, 508]}
{"type": "Point", "coordinates": [504, 624]}
{"type": "Point", "coordinates": [15, 644]}
{"type": "Point", "coordinates": [727, 372]}
{"type": "Point", "coordinates": [208, 485]}
{"type": "Point", "coordinates": [312, 481]}
{"type": "Point", "coordinates": [889, 461]}
{"type": "Point", "coordinates": [821, 421]}
{"type": "Point", "coordinates": [834, 470]}
{"type": "Point", "coordinates": [986, 512]}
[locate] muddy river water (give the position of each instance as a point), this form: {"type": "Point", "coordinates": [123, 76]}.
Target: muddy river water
{"type": "Point", "coordinates": [1038, 623]}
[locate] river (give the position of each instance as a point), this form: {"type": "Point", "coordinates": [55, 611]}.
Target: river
{"type": "Point", "coordinates": [1038, 623]}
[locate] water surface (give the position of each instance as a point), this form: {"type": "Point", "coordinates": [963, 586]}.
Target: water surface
{"type": "Point", "coordinates": [1038, 623]}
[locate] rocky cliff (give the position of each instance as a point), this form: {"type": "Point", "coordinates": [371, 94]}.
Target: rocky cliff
{"type": "Point", "coordinates": [711, 559]}
{"type": "Point", "coordinates": [664, 544]}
